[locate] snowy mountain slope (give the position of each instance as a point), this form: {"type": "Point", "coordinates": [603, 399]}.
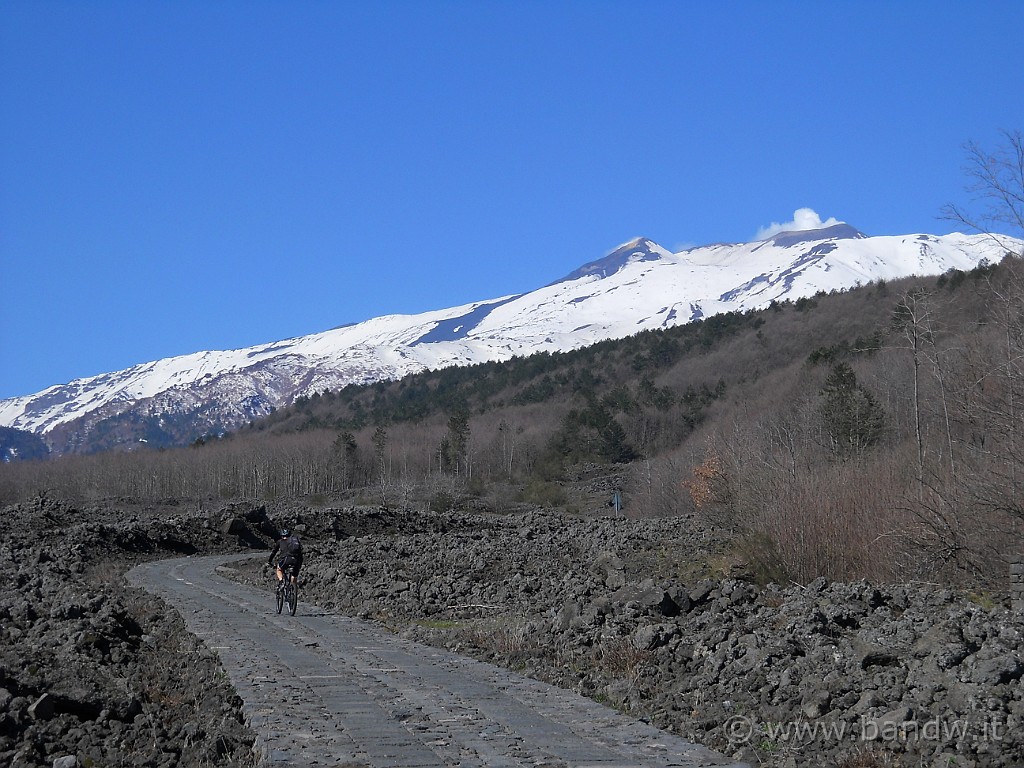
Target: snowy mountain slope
{"type": "Point", "coordinates": [638, 286]}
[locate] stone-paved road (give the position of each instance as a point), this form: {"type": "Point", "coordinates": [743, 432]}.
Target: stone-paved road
{"type": "Point", "coordinates": [327, 690]}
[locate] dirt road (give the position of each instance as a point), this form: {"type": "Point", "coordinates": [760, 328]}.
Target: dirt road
{"type": "Point", "coordinates": [328, 690]}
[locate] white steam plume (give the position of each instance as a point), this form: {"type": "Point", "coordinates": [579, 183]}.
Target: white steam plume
{"type": "Point", "coordinates": [803, 219]}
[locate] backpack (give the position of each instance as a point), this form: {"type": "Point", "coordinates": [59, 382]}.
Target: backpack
{"type": "Point", "coordinates": [292, 546]}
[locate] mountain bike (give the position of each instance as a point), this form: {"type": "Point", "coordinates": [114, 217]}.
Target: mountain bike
{"type": "Point", "coordinates": [287, 592]}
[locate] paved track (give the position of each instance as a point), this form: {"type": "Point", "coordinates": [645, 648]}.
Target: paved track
{"type": "Point", "coordinates": [327, 690]}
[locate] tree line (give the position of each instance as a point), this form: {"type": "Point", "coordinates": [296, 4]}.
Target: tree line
{"type": "Point", "coordinates": [874, 433]}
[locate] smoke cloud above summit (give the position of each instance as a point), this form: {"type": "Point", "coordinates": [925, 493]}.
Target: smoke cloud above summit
{"type": "Point", "coordinates": [803, 219]}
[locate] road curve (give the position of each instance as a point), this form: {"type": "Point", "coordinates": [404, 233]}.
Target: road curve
{"type": "Point", "coordinates": [327, 690]}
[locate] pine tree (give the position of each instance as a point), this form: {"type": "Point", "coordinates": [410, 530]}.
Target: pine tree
{"type": "Point", "coordinates": [852, 417]}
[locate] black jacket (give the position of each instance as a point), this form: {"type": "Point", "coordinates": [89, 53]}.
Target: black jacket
{"type": "Point", "coordinates": [290, 546]}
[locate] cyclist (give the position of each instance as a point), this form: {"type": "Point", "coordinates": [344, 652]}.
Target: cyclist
{"type": "Point", "coordinates": [290, 548]}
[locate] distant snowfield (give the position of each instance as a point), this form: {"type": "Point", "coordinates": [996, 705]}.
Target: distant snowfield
{"type": "Point", "coordinates": [639, 286]}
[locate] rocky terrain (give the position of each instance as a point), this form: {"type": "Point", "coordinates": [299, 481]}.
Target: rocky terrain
{"type": "Point", "coordinates": [646, 616]}
{"type": "Point", "coordinates": [92, 672]}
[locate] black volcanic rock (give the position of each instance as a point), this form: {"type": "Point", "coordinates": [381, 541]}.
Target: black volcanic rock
{"type": "Point", "coordinates": [839, 231]}
{"type": "Point", "coordinates": [93, 672]}
{"type": "Point", "coordinates": [690, 650]}
{"type": "Point", "coordinates": [627, 611]}
{"type": "Point", "coordinates": [638, 249]}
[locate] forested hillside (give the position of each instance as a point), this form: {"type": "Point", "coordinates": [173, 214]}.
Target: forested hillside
{"type": "Point", "coordinates": [17, 445]}
{"type": "Point", "coordinates": [871, 433]}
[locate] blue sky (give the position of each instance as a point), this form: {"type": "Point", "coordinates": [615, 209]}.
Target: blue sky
{"type": "Point", "coordinates": [181, 176]}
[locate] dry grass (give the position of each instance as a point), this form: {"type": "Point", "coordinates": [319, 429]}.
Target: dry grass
{"type": "Point", "coordinates": [505, 636]}
{"type": "Point", "coordinates": [866, 757]}
{"type": "Point", "coordinates": [619, 659]}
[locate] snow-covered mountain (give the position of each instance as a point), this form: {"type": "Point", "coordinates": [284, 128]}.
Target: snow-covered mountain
{"type": "Point", "coordinates": [636, 287]}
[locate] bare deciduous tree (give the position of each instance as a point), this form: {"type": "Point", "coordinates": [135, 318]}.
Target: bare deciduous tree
{"type": "Point", "coordinates": [996, 180]}
{"type": "Point", "coordinates": [913, 318]}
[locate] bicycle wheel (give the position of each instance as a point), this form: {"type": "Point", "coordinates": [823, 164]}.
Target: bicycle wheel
{"type": "Point", "coordinates": [280, 596]}
{"type": "Point", "coordinates": [293, 597]}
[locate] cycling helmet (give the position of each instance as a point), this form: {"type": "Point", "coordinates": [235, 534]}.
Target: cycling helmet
{"type": "Point", "coordinates": [284, 533]}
